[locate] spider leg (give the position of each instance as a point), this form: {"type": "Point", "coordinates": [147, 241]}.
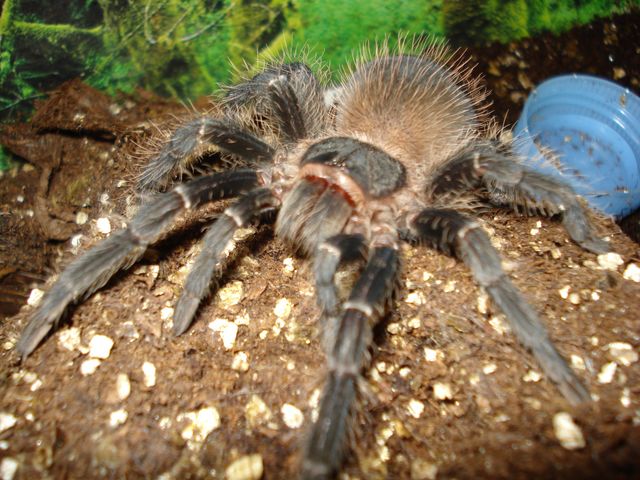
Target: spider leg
{"type": "Point", "coordinates": [365, 305]}
{"type": "Point", "coordinates": [329, 255]}
{"type": "Point", "coordinates": [459, 235]}
{"type": "Point", "coordinates": [287, 109]}
{"type": "Point", "coordinates": [213, 245]}
{"type": "Point", "coordinates": [491, 166]}
{"type": "Point", "coordinates": [188, 140]}
{"type": "Point", "coordinates": [94, 268]}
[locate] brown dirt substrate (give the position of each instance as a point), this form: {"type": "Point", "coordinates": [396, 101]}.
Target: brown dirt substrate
{"type": "Point", "coordinates": [497, 423]}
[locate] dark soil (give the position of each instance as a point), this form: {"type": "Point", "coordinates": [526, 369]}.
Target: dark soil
{"type": "Point", "coordinates": [81, 145]}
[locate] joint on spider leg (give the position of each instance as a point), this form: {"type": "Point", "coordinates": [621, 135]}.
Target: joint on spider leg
{"type": "Point", "coordinates": [330, 254]}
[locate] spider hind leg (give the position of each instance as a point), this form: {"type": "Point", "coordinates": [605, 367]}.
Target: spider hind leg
{"type": "Point", "coordinates": [456, 234]}
{"type": "Point", "coordinates": [491, 169]}
{"type": "Point", "coordinates": [95, 267]}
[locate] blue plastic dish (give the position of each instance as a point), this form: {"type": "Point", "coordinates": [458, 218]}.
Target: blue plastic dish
{"type": "Point", "coordinates": [592, 126]}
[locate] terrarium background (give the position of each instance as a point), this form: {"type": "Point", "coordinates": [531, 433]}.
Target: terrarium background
{"type": "Point", "coordinates": [183, 48]}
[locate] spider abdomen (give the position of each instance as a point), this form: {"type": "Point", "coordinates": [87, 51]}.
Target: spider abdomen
{"type": "Point", "coordinates": [413, 107]}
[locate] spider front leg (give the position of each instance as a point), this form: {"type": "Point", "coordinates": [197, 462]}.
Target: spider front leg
{"type": "Point", "coordinates": [455, 234]}
{"type": "Point", "coordinates": [346, 358]}
{"type": "Point", "coordinates": [329, 255]}
{"type": "Point", "coordinates": [213, 245]}
{"type": "Point", "coordinates": [187, 141]}
{"type": "Point", "coordinates": [490, 165]}
{"type": "Point", "coordinates": [94, 268]}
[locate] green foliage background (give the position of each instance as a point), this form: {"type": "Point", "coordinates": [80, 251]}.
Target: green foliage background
{"type": "Point", "coordinates": [182, 48]}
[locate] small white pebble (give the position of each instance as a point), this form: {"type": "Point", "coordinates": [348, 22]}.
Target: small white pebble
{"type": "Point", "coordinates": [574, 298]}
{"type": "Point", "coordinates": [442, 391]}
{"type": "Point", "coordinates": [632, 272]}
{"type": "Point", "coordinates": [123, 386]}
{"type": "Point", "coordinates": [423, 470]}
{"type": "Point", "coordinates": [256, 411]}
{"type": "Point", "coordinates": [394, 328]}
{"type": "Point", "coordinates": [610, 261]}
{"type": "Point", "coordinates": [231, 294]}
{"type": "Point", "coordinates": [201, 423]}
{"type": "Point", "coordinates": [76, 241]}
{"type": "Point", "coordinates": [149, 373]}
{"type": "Point", "coordinates": [431, 355]}
{"type": "Point", "coordinates": [625, 398]}
{"type": "Point", "coordinates": [166, 313]}
{"type": "Point", "coordinates": [564, 292]}
{"type": "Point", "coordinates": [282, 308]}
{"type": "Point", "coordinates": [404, 372]}
{"type": "Point", "coordinates": [69, 338]}
{"type": "Point", "coordinates": [414, 323]}
{"type": "Point", "coordinates": [577, 362]}
{"type": "Point", "coordinates": [121, 183]}
{"type": "Point", "coordinates": [415, 408]}
{"type": "Point", "coordinates": [415, 298]}
{"type": "Point", "coordinates": [118, 417]}
{"type": "Point", "coordinates": [449, 287]}
{"type": "Point", "coordinates": [248, 467]}
{"type": "Point", "coordinates": [100, 346]}
{"type": "Point", "coordinates": [81, 217]}
{"type": "Point", "coordinates": [37, 385]}
{"type": "Point", "coordinates": [291, 416]}
{"type": "Point", "coordinates": [567, 432]}
{"type": "Point", "coordinates": [483, 303]}
{"type": "Point", "coordinates": [7, 421]}
{"type": "Point", "coordinates": [595, 296]}
{"type": "Point", "coordinates": [532, 376]}
{"type": "Point", "coordinates": [35, 297]}
{"type": "Point", "coordinates": [499, 325]}
{"type": "Point", "coordinates": [240, 362]}
{"type": "Point", "coordinates": [227, 330]}
{"type": "Point", "coordinates": [104, 198]}
{"type": "Point", "coordinates": [4, 445]}
{"type": "Point", "coordinates": [622, 352]}
{"type": "Point", "coordinates": [288, 266]}
{"type": "Point", "coordinates": [20, 199]}
{"type": "Point", "coordinates": [534, 231]}
{"type": "Point", "coordinates": [103, 225]}
{"type": "Point", "coordinates": [8, 468]}
{"type": "Point", "coordinates": [89, 367]}
{"type": "Point", "coordinates": [489, 368]}
{"type": "Point", "coordinates": [607, 372]}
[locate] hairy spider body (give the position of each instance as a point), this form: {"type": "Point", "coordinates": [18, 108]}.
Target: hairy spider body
{"type": "Point", "coordinates": [381, 163]}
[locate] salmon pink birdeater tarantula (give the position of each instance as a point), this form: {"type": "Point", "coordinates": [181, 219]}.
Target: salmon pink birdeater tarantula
{"type": "Point", "coordinates": [397, 151]}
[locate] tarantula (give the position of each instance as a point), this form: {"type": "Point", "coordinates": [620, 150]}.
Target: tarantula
{"type": "Point", "coordinates": [402, 142]}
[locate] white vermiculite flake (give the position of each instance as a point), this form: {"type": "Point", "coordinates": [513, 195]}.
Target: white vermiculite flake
{"type": "Point", "coordinates": [149, 372]}
{"type": "Point", "coordinates": [292, 416]}
{"type": "Point", "coordinates": [100, 346]}
{"type": "Point", "coordinates": [567, 432]}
